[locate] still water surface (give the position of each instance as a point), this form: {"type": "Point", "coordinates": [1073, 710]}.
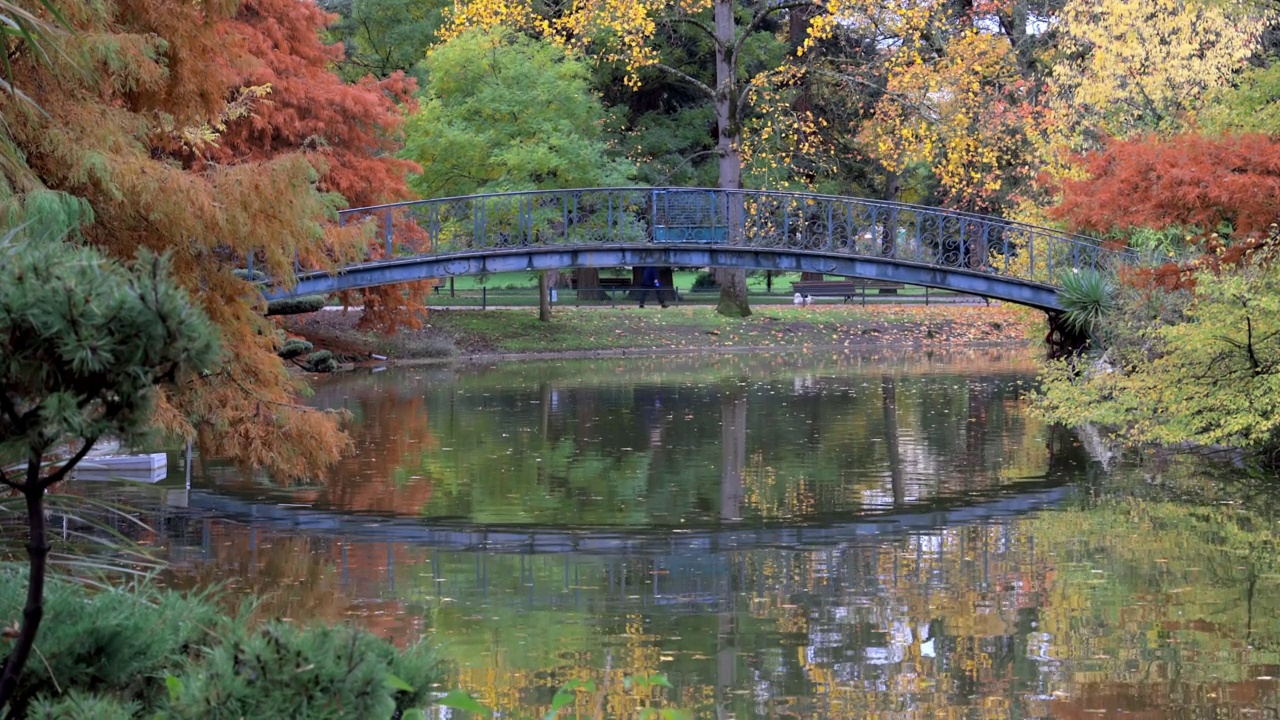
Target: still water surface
{"type": "Point", "coordinates": [784, 536]}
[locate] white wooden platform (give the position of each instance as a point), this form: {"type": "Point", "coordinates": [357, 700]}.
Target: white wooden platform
{"type": "Point", "coordinates": [146, 468]}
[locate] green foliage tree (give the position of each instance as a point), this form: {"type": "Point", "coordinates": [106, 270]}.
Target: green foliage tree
{"type": "Point", "coordinates": [381, 37]}
{"type": "Point", "coordinates": [501, 112]}
{"type": "Point", "coordinates": [1250, 105]}
{"type": "Point", "coordinates": [83, 343]}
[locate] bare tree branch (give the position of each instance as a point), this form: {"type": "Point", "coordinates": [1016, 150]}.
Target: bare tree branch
{"type": "Point", "coordinates": [688, 160]}
{"type": "Point", "coordinates": [695, 23]}
{"type": "Point", "coordinates": [695, 82]}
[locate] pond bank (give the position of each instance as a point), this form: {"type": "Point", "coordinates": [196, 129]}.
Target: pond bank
{"type": "Point", "coordinates": [611, 332]}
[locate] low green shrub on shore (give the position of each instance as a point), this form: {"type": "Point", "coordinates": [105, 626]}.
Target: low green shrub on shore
{"type": "Point", "coordinates": [145, 652]}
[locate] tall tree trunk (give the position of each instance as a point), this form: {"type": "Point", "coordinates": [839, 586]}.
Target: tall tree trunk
{"type": "Point", "coordinates": [733, 283]}
{"type": "Point", "coordinates": [733, 453]}
{"type": "Point", "coordinates": [33, 613]}
{"type": "Point", "coordinates": [544, 297]}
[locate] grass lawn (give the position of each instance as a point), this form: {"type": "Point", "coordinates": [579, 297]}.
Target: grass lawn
{"type": "Point", "coordinates": [521, 290]}
{"type": "Point", "coordinates": [470, 332]}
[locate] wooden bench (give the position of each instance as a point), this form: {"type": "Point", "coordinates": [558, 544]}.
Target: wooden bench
{"type": "Point", "coordinates": [847, 289]}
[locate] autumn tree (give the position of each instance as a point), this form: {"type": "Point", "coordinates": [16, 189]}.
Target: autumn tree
{"type": "Point", "coordinates": [1128, 67]}
{"type": "Point", "coordinates": [132, 100]}
{"type": "Point", "coordinates": [958, 102]}
{"type": "Point", "coordinates": [349, 132]}
{"type": "Point", "coordinates": [1228, 185]}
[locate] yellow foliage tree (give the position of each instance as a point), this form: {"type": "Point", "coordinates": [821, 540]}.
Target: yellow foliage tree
{"type": "Point", "coordinates": [963, 110]}
{"type": "Point", "coordinates": [1132, 66]}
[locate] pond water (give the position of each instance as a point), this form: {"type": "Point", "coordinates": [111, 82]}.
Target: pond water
{"type": "Point", "coordinates": [781, 535]}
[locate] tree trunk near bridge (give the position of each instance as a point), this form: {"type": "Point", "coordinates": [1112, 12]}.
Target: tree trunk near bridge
{"type": "Point", "coordinates": [544, 297]}
{"type": "Point", "coordinates": [733, 283]}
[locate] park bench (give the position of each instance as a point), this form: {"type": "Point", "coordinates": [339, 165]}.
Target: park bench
{"type": "Point", "coordinates": [694, 216]}
{"type": "Point", "coordinates": [847, 289]}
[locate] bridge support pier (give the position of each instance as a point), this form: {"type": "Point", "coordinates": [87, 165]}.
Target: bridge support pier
{"type": "Point", "coordinates": [1062, 339]}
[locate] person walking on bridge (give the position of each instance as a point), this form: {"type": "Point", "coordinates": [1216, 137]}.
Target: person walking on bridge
{"type": "Point", "coordinates": [651, 283]}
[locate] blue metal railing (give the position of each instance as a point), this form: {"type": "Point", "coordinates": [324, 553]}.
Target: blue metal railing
{"type": "Point", "coordinates": [791, 221]}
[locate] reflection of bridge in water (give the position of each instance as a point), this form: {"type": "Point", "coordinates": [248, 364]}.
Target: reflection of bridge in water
{"type": "Point", "coordinates": [691, 227]}
{"type": "Point", "coordinates": [697, 570]}
{"type": "Point", "coordinates": [938, 513]}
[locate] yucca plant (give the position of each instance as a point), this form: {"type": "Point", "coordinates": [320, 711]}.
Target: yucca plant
{"type": "Point", "coordinates": [1087, 296]}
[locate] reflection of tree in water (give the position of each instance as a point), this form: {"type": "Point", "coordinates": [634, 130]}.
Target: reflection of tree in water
{"type": "Point", "coordinates": [305, 579]}
{"type": "Point", "coordinates": [551, 446]}
{"type": "Point", "coordinates": [392, 435]}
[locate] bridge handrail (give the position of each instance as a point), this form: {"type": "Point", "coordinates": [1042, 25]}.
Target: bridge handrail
{"type": "Point", "coordinates": [733, 228]}
{"type": "Point", "coordinates": [977, 217]}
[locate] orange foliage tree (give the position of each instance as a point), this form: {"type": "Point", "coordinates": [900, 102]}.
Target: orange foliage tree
{"type": "Point", "coordinates": [350, 132]}
{"type": "Point", "coordinates": [211, 131]}
{"type": "Point", "coordinates": [1192, 181]}
{"type": "Point", "coordinates": [1223, 192]}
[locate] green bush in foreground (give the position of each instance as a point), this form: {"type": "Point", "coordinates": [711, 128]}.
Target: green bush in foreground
{"type": "Point", "coordinates": [143, 652]}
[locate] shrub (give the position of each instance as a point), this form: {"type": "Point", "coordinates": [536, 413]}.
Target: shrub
{"type": "Point", "coordinates": [296, 306]}
{"type": "Point", "coordinates": [141, 651]}
{"type": "Point", "coordinates": [704, 281]}
{"type": "Point", "coordinates": [294, 347]}
{"type": "Point", "coordinates": [118, 641]}
{"type": "Point", "coordinates": [283, 671]}
{"type": "Point", "coordinates": [320, 361]}
{"type": "Point", "coordinates": [1087, 296]}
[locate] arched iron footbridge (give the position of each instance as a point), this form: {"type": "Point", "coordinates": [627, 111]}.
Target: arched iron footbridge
{"type": "Point", "coordinates": [693, 227]}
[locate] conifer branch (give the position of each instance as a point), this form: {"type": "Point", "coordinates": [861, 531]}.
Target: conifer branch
{"type": "Point", "coordinates": [62, 472]}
